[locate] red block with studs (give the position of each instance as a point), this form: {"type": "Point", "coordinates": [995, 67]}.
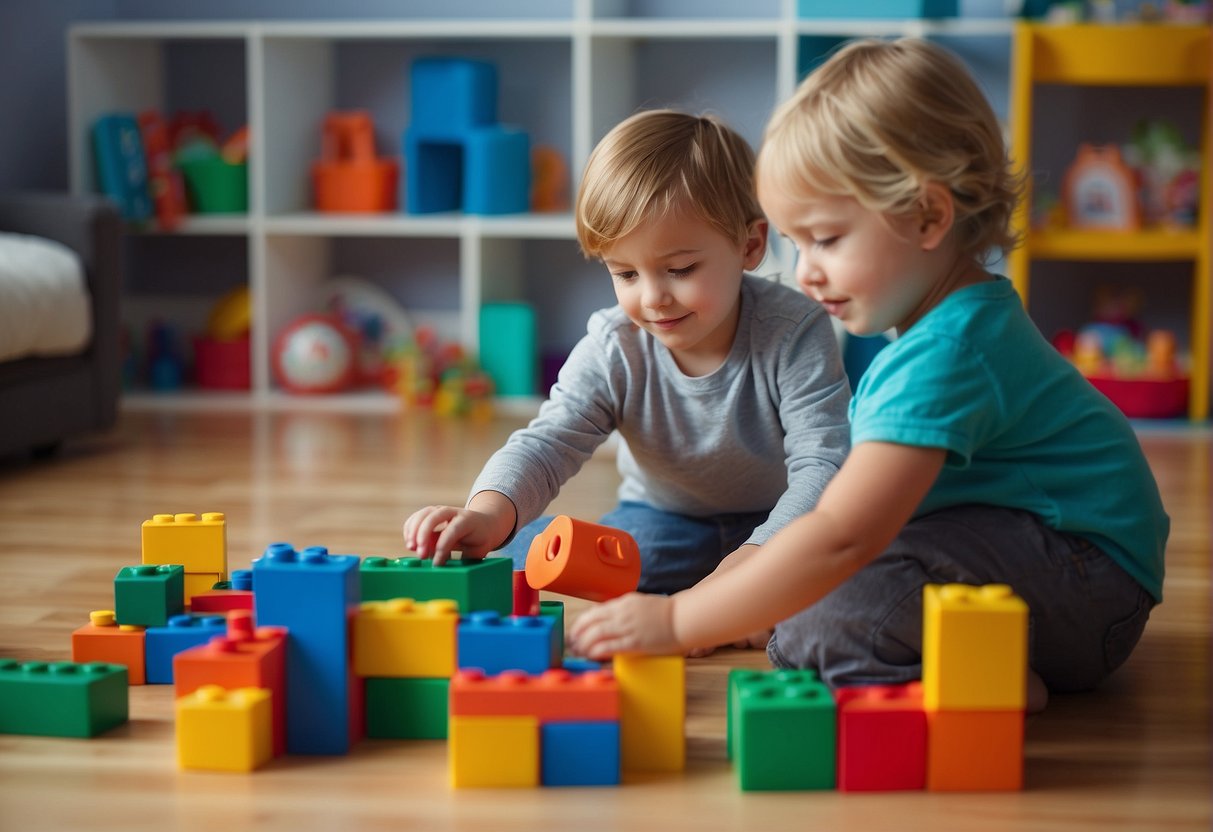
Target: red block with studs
{"type": "Point", "coordinates": [882, 738]}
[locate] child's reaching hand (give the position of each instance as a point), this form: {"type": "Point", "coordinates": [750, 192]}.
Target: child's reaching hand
{"type": "Point", "coordinates": [436, 531]}
{"type": "Point", "coordinates": [632, 623]}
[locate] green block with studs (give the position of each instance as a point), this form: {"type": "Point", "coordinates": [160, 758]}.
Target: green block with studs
{"type": "Point", "coordinates": [781, 730]}
{"type": "Point", "coordinates": [475, 585]}
{"type": "Point", "coordinates": [149, 595]}
{"type": "Point", "coordinates": [407, 709]}
{"type": "Point", "coordinates": [62, 699]}
{"type": "Point", "coordinates": [555, 609]}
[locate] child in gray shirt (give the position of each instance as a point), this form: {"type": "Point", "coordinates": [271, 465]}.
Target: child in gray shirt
{"type": "Point", "coordinates": [727, 390]}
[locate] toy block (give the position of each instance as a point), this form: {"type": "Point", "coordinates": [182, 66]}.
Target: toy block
{"type": "Point", "coordinates": [494, 751]}
{"type": "Point", "coordinates": [579, 753]}
{"type": "Point", "coordinates": [403, 638]}
{"type": "Point", "coordinates": [246, 657]}
{"type": "Point", "coordinates": [222, 598]}
{"type": "Point", "coordinates": [103, 639]}
{"type": "Point", "coordinates": [222, 730]}
{"type": "Point", "coordinates": [407, 709]}
{"type": "Point", "coordinates": [652, 712]}
{"type": "Point", "coordinates": [882, 738]}
{"type": "Point", "coordinates": [149, 595]}
{"type": "Point", "coordinates": [440, 188]}
{"type": "Point", "coordinates": [122, 172]}
{"type": "Point", "coordinates": [585, 560]}
{"type": "Point", "coordinates": [974, 648]}
{"type": "Point", "coordinates": [497, 172]}
{"type": "Point", "coordinates": [555, 609]}
{"type": "Point", "coordinates": [197, 583]}
{"type": "Point", "coordinates": [509, 349]}
{"type": "Point", "coordinates": [879, 9]}
{"type": "Point", "coordinates": [473, 584]}
{"type": "Point", "coordinates": [62, 699]}
{"type": "Point", "coordinates": [739, 676]}
{"type": "Point", "coordinates": [516, 642]}
{"type": "Point", "coordinates": [451, 95]}
{"type": "Point", "coordinates": [197, 543]}
{"type": "Point", "coordinates": [783, 734]}
{"type": "Point", "coordinates": [181, 632]}
{"type": "Point", "coordinates": [553, 696]}
{"type": "Point", "coordinates": [314, 595]}
{"type": "Point", "coordinates": [526, 600]}
{"type": "Point", "coordinates": [974, 750]}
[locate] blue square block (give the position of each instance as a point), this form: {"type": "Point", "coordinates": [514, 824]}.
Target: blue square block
{"type": "Point", "coordinates": [579, 753]}
{"type": "Point", "coordinates": [497, 171]}
{"type": "Point", "coordinates": [314, 595]}
{"type": "Point", "coordinates": [182, 632]}
{"type": "Point", "coordinates": [433, 180]}
{"type": "Point", "coordinates": [877, 9]}
{"type": "Point", "coordinates": [451, 96]}
{"type": "Point", "coordinates": [517, 642]}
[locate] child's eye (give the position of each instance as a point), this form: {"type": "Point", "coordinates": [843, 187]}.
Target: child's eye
{"type": "Point", "coordinates": [825, 243]}
{"type": "Point", "coordinates": [683, 272]}
{"type": "Point", "coordinates": [623, 275]}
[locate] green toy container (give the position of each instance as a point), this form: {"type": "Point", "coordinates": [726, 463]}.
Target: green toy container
{"type": "Point", "coordinates": [214, 186]}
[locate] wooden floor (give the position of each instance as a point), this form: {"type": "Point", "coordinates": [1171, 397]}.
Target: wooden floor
{"type": "Point", "coordinates": [1134, 755]}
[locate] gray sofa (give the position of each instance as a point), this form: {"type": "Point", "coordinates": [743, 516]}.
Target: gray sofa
{"type": "Point", "coordinates": [44, 401]}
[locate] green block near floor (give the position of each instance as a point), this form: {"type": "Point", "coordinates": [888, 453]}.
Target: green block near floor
{"type": "Point", "coordinates": [407, 709]}
{"type": "Point", "coordinates": [475, 585]}
{"type": "Point", "coordinates": [149, 595]}
{"type": "Point", "coordinates": [781, 730]}
{"type": "Point", "coordinates": [62, 699]}
{"type": "Point", "coordinates": [508, 347]}
{"type": "Point", "coordinates": [555, 609]}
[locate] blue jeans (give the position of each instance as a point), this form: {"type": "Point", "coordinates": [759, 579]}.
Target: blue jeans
{"type": "Point", "coordinates": [676, 551]}
{"type": "Point", "coordinates": [1085, 612]}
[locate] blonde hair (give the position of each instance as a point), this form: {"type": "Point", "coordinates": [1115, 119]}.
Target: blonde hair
{"type": "Point", "coordinates": [879, 121]}
{"type": "Point", "coordinates": [657, 161]}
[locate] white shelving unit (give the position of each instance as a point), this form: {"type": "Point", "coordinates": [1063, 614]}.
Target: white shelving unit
{"type": "Point", "coordinates": [566, 81]}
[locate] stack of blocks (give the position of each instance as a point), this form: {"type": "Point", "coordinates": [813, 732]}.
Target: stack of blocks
{"type": "Point", "coordinates": [199, 544]}
{"type": "Point", "coordinates": [960, 729]}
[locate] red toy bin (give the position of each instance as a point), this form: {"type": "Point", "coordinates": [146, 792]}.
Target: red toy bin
{"type": "Point", "coordinates": [1144, 398]}
{"type": "Point", "coordinates": [368, 185]}
{"type": "Point", "coordinates": [222, 365]}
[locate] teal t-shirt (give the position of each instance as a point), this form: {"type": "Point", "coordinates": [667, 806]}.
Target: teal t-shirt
{"type": "Point", "coordinates": [1021, 427]}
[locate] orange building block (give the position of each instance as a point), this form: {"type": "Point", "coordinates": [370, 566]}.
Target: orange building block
{"type": "Point", "coordinates": [974, 751]}
{"type": "Point", "coordinates": [103, 639]}
{"type": "Point", "coordinates": [583, 559]}
{"type": "Point", "coordinates": [554, 696]}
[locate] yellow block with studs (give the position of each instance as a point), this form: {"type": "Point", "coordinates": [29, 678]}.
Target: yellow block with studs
{"type": "Point", "coordinates": [652, 712]}
{"type": "Point", "coordinates": [974, 648]}
{"type": "Point", "coordinates": [494, 751]}
{"type": "Point", "coordinates": [406, 638]}
{"type": "Point", "coordinates": [222, 730]}
{"type": "Point", "coordinates": [197, 543]}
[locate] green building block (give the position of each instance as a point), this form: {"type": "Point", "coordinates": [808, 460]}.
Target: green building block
{"type": "Point", "coordinates": [556, 610]}
{"type": "Point", "coordinates": [508, 347]}
{"type": "Point", "coordinates": [781, 730]}
{"type": "Point", "coordinates": [62, 699]}
{"type": "Point", "coordinates": [149, 595]}
{"type": "Point", "coordinates": [475, 585]}
{"type": "Point", "coordinates": [406, 709]}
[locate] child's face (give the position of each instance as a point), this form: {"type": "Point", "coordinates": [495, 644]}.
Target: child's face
{"type": "Point", "coordinates": [679, 279]}
{"type": "Point", "coordinates": [872, 272]}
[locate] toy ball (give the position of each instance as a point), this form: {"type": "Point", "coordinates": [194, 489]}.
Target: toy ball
{"type": "Point", "coordinates": [315, 354]}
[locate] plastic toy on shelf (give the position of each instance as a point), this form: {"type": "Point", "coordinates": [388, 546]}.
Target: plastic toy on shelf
{"type": "Point", "coordinates": [428, 373]}
{"type": "Point", "coordinates": [349, 176]}
{"type": "Point", "coordinates": [315, 354]}
{"type": "Point", "coordinates": [216, 172]}
{"type": "Point", "coordinates": [221, 354]}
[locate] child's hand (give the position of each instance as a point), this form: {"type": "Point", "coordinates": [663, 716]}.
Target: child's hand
{"type": "Point", "coordinates": [632, 623]}
{"type": "Point", "coordinates": [436, 531]}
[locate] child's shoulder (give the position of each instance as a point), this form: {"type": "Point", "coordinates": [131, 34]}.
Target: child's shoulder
{"type": "Point", "coordinates": [773, 300]}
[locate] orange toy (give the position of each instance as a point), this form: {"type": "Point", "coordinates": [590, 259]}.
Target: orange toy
{"type": "Point", "coordinates": [103, 639]}
{"type": "Point", "coordinates": [974, 751]}
{"type": "Point", "coordinates": [349, 177]}
{"type": "Point", "coordinates": [583, 559]}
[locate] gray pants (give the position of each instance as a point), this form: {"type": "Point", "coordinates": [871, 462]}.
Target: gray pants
{"type": "Point", "coordinates": [1085, 612]}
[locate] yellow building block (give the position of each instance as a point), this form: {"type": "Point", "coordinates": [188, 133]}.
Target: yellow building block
{"type": "Point", "coordinates": [494, 751]}
{"type": "Point", "coordinates": [223, 730]}
{"type": "Point", "coordinates": [652, 714]}
{"type": "Point", "coordinates": [974, 648]}
{"type": "Point", "coordinates": [406, 638]}
{"type": "Point", "coordinates": [198, 582]}
{"type": "Point", "coordinates": [197, 543]}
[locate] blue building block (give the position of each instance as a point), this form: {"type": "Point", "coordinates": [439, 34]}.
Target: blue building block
{"type": "Point", "coordinates": [878, 9]}
{"type": "Point", "coordinates": [121, 165]}
{"type": "Point", "coordinates": [518, 642]}
{"type": "Point", "coordinates": [451, 96]}
{"type": "Point", "coordinates": [509, 349]}
{"type": "Point", "coordinates": [314, 595]}
{"type": "Point", "coordinates": [242, 579]}
{"type": "Point", "coordinates": [497, 171]}
{"type": "Point", "coordinates": [182, 632]}
{"type": "Point", "coordinates": [433, 179]}
{"type": "Point", "coordinates": [576, 665]}
{"type": "Point", "coordinates": [579, 753]}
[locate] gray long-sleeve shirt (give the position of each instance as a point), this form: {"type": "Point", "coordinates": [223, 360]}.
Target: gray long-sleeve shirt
{"type": "Point", "coordinates": [765, 431]}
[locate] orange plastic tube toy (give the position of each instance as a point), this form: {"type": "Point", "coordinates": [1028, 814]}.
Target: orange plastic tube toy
{"type": "Point", "coordinates": [584, 560]}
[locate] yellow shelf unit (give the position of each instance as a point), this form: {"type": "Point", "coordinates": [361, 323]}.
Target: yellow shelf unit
{"type": "Point", "coordinates": [1158, 55]}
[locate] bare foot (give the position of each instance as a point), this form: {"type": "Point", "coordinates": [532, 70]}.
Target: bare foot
{"type": "Point", "coordinates": [1038, 694]}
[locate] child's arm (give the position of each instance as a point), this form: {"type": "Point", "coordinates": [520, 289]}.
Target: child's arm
{"type": "Point", "coordinates": [862, 510]}
{"type": "Point", "coordinates": [436, 531]}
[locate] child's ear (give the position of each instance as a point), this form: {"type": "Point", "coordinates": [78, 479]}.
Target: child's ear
{"type": "Point", "coordinates": [938, 215]}
{"type": "Point", "coordinates": [755, 244]}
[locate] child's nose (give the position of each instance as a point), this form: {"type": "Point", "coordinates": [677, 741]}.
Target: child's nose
{"type": "Point", "coordinates": [807, 274]}
{"type": "Point", "coordinates": [653, 293]}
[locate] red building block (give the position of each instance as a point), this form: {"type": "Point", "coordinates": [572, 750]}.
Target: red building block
{"type": "Point", "coordinates": [103, 639]}
{"type": "Point", "coordinates": [526, 599]}
{"type": "Point", "coordinates": [245, 657]}
{"type": "Point", "coordinates": [554, 696]}
{"type": "Point", "coordinates": [882, 738]}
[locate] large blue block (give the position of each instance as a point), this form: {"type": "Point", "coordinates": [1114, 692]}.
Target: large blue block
{"type": "Point", "coordinates": [451, 96]}
{"type": "Point", "coordinates": [433, 179]}
{"type": "Point", "coordinates": [517, 642]}
{"type": "Point", "coordinates": [579, 753]}
{"type": "Point", "coordinates": [182, 632]}
{"type": "Point", "coordinates": [497, 171]}
{"type": "Point", "coordinates": [313, 594]}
